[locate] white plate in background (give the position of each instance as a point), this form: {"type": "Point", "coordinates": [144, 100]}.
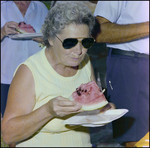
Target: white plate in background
{"type": "Point", "coordinates": [25, 35]}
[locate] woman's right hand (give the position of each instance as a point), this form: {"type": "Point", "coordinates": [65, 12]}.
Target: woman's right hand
{"type": "Point", "coordinates": [9, 28]}
{"type": "Point", "coordinates": [59, 107]}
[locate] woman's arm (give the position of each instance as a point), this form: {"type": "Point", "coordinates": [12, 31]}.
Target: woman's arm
{"type": "Point", "coordinates": [20, 121]}
{"type": "Point", "coordinates": [114, 33]}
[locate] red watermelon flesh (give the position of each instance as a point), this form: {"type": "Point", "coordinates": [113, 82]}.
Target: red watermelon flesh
{"type": "Point", "coordinates": [25, 28]}
{"type": "Point", "coordinates": [89, 96]}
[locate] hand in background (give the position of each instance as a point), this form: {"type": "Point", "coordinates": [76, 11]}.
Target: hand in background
{"type": "Point", "coordinates": [9, 28]}
{"type": "Point", "coordinates": [38, 39]}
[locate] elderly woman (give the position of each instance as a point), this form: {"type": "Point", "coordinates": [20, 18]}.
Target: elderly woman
{"type": "Point", "coordinates": [38, 95]}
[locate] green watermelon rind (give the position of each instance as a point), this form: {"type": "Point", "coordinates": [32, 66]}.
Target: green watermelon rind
{"type": "Point", "coordinates": [93, 106]}
{"type": "Point", "coordinates": [22, 32]}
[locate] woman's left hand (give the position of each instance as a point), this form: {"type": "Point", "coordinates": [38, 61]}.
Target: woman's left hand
{"type": "Point", "coordinates": [107, 107]}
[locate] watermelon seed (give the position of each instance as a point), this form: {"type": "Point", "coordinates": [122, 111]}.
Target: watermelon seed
{"type": "Point", "coordinates": [79, 94]}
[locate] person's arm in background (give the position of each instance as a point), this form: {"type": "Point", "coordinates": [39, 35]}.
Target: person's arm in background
{"type": "Point", "coordinates": [95, 2]}
{"type": "Point", "coordinates": [10, 28]}
{"type": "Point", "coordinates": [114, 33]}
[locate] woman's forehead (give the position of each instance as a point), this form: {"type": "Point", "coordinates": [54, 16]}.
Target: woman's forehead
{"type": "Point", "coordinates": [76, 30]}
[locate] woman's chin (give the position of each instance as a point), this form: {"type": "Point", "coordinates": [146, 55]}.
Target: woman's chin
{"type": "Point", "coordinates": [74, 64]}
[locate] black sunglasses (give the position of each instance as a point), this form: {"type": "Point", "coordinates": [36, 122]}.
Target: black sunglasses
{"type": "Point", "coordinates": [71, 42]}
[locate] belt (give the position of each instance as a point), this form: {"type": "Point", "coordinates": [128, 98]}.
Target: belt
{"type": "Point", "coordinates": [128, 53]}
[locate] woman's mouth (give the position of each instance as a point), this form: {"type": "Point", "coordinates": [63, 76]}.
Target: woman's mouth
{"type": "Point", "coordinates": [75, 58]}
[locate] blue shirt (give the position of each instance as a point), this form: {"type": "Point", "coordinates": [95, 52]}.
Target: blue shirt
{"type": "Point", "coordinates": [14, 52]}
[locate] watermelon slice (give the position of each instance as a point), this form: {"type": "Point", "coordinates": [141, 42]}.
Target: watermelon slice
{"type": "Point", "coordinates": [89, 96]}
{"type": "Point", "coordinates": [25, 28]}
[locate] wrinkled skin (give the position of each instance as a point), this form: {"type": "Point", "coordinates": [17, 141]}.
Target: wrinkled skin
{"type": "Point", "coordinates": [59, 107]}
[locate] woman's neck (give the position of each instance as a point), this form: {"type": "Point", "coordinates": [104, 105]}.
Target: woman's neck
{"type": "Point", "coordinates": [61, 69]}
{"type": "Point", "coordinates": [23, 6]}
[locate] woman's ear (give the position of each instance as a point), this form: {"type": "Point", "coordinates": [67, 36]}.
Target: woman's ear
{"type": "Point", "coordinates": [51, 41]}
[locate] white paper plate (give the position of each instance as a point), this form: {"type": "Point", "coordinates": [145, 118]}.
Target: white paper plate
{"type": "Point", "coordinates": [94, 118]}
{"type": "Point", "coordinates": [89, 125]}
{"type": "Point", "coordinates": [25, 35]}
{"type": "Point", "coordinates": [92, 125]}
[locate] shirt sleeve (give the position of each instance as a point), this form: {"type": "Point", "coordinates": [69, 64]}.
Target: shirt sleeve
{"type": "Point", "coordinates": [110, 10]}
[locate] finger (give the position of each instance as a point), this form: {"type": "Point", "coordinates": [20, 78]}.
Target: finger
{"type": "Point", "coordinates": [112, 105]}
{"type": "Point", "coordinates": [72, 109]}
{"type": "Point", "coordinates": [105, 108]}
{"type": "Point", "coordinates": [11, 28]}
{"type": "Point", "coordinates": [11, 31]}
{"type": "Point", "coordinates": [40, 40]}
{"type": "Point", "coordinates": [67, 109]}
{"type": "Point", "coordinates": [67, 103]}
{"type": "Point", "coordinates": [64, 105]}
{"type": "Point", "coordinates": [12, 25]}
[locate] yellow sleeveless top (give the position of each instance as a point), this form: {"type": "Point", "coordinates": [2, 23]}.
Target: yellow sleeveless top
{"type": "Point", "coordinates": [49, 84]}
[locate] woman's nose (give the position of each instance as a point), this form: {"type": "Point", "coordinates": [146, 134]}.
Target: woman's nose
{"type": "Point", "coordinates": [78, 48]}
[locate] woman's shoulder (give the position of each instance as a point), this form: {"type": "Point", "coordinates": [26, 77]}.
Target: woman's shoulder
{"type": "Point", "coordinates": [6, 3]}
{"type": "Point", "coordinates": [37, 57]}
{"type": "Point", "coordinates": [3, 2]}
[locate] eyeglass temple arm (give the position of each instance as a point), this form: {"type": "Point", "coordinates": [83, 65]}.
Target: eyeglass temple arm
{"type": "Point", "coordinates": [57, 37]}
